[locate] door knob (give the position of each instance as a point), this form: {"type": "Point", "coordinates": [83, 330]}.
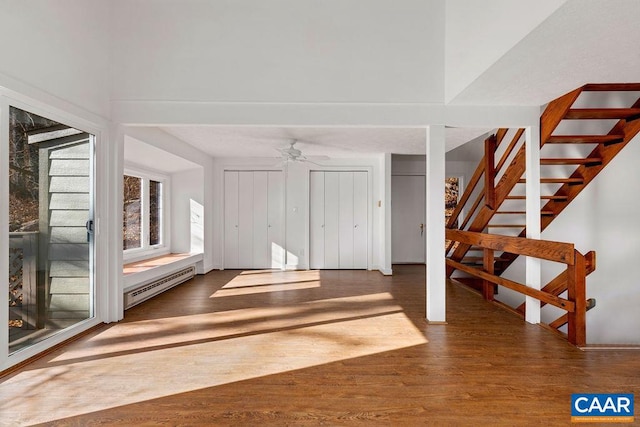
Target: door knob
{"type": "Point", "coordinates": [355, 226]}
{"type": "Point", "coordinates": [421, 229]}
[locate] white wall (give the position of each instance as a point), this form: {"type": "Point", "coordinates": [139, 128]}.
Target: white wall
{"type": "Point", "coordinates": [285, 51]}
{"type": "Point", "coordinates": [408, 165]}
{"type": "Point", "coordinates": [58, 47]}
{"type": "Point", "coordinates": [187, 214]}
{"type": "Point", "coordinates": [479, 33]}
{"type": "Point", "coordinates": [297, 203]}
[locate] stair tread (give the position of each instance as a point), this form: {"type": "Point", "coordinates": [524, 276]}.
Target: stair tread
{"type": "Point", "coordinates": [584, 139]}
{"type": "Point", "coordinates": [570, 161]}
{"type": "Point", "coordinates": [522, 212]}
{"type": "Point", "coordinates": [602, 113]}
{"type": "Point", "coordinates": [478, 249]}
{"type": "Point", "coordinates": [511, 212]}
{"type": "Point", "coordinates": [613, 87]}
{"type": "Point", "coordinates": [554, 197]}
{"type": "Point", "coordinates": [479, 258]}
{"type": "Point", "coordinates": [556, 181]}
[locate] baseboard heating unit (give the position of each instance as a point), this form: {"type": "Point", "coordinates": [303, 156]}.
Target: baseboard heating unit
{"type": "Point", "coordinates": [148, 290]}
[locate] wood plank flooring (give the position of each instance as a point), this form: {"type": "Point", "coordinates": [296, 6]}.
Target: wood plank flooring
{"type": "Point", "coordinates": [312, 348]}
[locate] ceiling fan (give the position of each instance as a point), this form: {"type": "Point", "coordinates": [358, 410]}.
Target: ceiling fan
{"type": "Point", "coordinates": [293, 154]}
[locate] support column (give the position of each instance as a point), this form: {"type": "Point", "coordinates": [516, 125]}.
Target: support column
{"type": "Point", "coordinates": [116, 171]}
{"type": "Point", "coordinates": [532, 175]}
{"type": "Point", "coordinates": [385, 250]}
{"type": "Point", "coordinates": [435, 256]}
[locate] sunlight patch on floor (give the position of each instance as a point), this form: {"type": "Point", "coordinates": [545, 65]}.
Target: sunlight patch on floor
{"type": "Point", "coordinates": [219, 326]}
{"type": "Point", "coordinates": [271, 277]}
{"type": "Point", "coordinates": [142, 376]}
{"type": "Point", "coordinates": [261, 289]}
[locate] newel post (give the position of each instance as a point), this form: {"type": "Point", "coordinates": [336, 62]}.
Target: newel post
{"type": "Point", "coordinates": [488, 266]}
{"type": "Point", "coordinates": [576, 292]}
{"type": "Point", "coordinates": [490, 145]}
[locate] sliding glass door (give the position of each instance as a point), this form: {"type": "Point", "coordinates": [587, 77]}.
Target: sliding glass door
{"type": "Point", "coordinates": [51, 242]}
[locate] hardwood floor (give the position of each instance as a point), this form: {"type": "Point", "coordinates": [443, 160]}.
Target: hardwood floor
{"type": "Point", "coordinates": [312, 348]}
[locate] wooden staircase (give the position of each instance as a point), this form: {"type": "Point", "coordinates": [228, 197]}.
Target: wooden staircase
{"type": "Point", "coordinates": [577, 142]}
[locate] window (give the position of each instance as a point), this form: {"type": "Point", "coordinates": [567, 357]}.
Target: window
{"type": "Point", "coordinates": [143, 226]}
{"type": "Point", "coordinates": [132, 226]}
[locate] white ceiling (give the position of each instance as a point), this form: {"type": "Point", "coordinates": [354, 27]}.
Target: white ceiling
{"type": "Point", "coordinates": [146, 156]}
{"type": "Point", "coordinates": [582, 41]}
{"type": "Point", "coordinates": [249, 141]}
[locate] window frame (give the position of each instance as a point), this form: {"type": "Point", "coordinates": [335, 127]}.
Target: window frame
{"type": "Point", "coordinates": [146, 250]}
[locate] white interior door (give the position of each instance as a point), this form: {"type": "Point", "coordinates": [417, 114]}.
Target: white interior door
{"type": "Point", "coordinates": [275, 226]}
{"type": "Point", "coordinates": [408, 218]}
{"type": "Point", "coordinates": [360, 220]}
{"type": "Point", "coordinates": [231, 219]}
{"type": "Point", "coordinates": [316, 220]}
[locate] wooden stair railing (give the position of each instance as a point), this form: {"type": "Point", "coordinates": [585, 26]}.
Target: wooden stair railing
{"type": "Point", "coordinates": [559, 285]}
{"type": "Point", "coordinates": [479, 215]}
{"type": "Point", "coordinates": [573, 278]}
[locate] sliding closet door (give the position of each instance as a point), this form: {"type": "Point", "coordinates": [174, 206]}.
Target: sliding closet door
{"type": "Point", "coordinates": [245, 220]}
{"type": "Point", "coordinates": [260, 219]}
{"type": "Point", "coordinates": [331, 219]}
{"type": "Point", "coordinates": [346, 220]}
{"type": "Point", "coordinates": [316, 220]}
{"type": "Point", "coordinates": [253, 212]}
{"type": "Point", "coordinates": [231, 219]}
{"type": "Point", "coordinates": [338, 220]}
{"type": "Point", "coordinates": [275, 226]}
{"type": "Point", "coordinates": [360, 220]}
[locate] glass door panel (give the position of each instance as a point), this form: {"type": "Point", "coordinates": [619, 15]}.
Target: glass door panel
{"type": "Point", "coordinates": [50, 228]}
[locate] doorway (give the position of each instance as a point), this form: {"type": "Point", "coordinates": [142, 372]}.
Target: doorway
{"type": "Point", "coordinates": [51, 241]}
{"type": "Point", "coordinates": [408, 207]}
{"type": "Point", "coordinates": [408, 218]}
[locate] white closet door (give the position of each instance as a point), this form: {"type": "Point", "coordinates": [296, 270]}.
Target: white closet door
{"type": "Point", "coordinates": [275, 235]}
{"type": "Point", "coordinates": [245, 219]}
{"type": "Point", "coordinates": [231, 219]}
{"type": "Point", "coordinates": [360, 220]}
{"type": "Point", "coordinates": [346, 220]}
{"type": "Point", "coordinates": [316, 220]}
{"type": "Point", "coordinates": [260, 220]}
{"type": "Point", "coordinates": [331, 219]}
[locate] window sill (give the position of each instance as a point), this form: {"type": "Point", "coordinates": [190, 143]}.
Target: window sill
{"type": "Point", "coordinates": [136, 255]}
{"type": "Point", "coordinates": [140, 272]}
